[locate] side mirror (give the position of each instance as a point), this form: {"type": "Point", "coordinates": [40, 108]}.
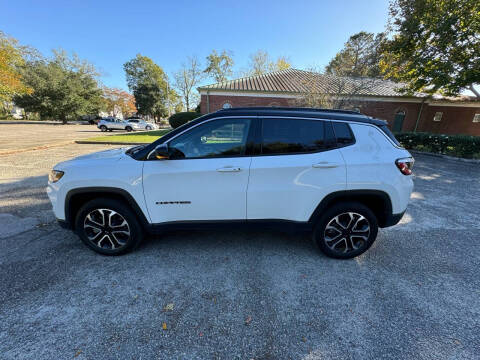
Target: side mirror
{"type": "Point", "coordinates": [162, 152]}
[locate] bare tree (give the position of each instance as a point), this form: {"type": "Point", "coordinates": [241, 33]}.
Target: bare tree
{"type": "Point", "coordinates": [261, 63]}
{"type": "Point", "coordinates": [187, 78]}
{"type": "Point", "coordinates": [335, 92]}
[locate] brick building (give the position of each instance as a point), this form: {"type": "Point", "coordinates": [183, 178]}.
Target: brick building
{"type": "Point", "coordinates": [377, 98]}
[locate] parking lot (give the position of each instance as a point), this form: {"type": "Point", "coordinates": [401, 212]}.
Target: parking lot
{"type": "Point", "coordinates": [236, 294]}
{"type": "Point", "coordinates": [24, 136]}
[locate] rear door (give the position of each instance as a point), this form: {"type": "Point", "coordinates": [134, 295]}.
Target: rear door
{"type": "Point", "coordinates": [297, 166]}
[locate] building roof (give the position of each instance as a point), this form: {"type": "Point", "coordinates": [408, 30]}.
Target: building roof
{"type": "Point", "coordinates": [301, 81]}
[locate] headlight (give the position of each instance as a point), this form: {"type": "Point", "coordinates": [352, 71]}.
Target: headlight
{"type": "Point", "coordinates": [55, 175]}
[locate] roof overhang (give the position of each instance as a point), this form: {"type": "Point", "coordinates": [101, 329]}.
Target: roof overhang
{"type": "Point", "coordinates": [293, 95]}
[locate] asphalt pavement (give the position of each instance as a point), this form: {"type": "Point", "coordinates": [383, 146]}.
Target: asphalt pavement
{"type": "Point", "coordinates": [231, 294]}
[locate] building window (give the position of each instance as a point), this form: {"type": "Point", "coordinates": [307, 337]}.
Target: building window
{"type": "Point", "coordinates": [476, 118]}
{"type": "Point", "coordinates": [438, 116]}
{"type": "Point", "coordinates": [226, 105]}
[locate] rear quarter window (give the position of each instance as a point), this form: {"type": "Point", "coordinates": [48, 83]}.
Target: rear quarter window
{"type": "Point", "coordinates": [343, 134]}
{"type": "Point", "coordinates": [390, 135]}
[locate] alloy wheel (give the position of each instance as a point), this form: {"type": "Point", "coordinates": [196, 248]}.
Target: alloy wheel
{"type": "Point", "coordinates": [347, 232]}
{"type": "Point", "coordinates": [106, 229]}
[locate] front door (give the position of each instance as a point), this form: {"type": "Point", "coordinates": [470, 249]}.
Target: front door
{"type": "Point", "coordinates": [298, 166]}
{"type": "Point", "coordinates": [118, 124]}
{"type": "Point", "coordinates": [206, 176]}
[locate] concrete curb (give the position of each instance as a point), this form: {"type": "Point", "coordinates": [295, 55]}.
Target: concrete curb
{"type": "Point", "coordinates": [108, 142]}
{"type": "Point", "coordinates": [447, 157]}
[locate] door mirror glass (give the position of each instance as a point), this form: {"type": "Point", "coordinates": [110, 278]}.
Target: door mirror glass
{"type": "Point", "coordinates": [162, 152]}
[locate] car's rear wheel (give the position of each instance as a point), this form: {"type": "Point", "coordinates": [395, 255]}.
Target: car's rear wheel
{"type": "Point", "coordinates": [103, 128]}
{"type": "Point", "coordinates": [128, 128]}
{"type": "Point", "coordinates": [148, 127]}
{"type": "Point", "coordinates": [346, 230]}
{"type": "Point", "coordinates": [108, 227]}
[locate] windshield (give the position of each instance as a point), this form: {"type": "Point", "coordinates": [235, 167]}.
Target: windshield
{"type": "Point", "coordinates": [141, 153]}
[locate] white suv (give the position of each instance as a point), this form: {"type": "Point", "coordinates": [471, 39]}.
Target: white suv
{"type": "Point", "coordinates": [338, 174]}
{"type": "Point", "coordinates": [142, 124]}
{"type": "Point", "coordinates": [109, 124]}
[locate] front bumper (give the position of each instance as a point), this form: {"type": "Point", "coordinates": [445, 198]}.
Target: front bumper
{"type": "Point", "coordinates": [56, 199]}
{"type": "Point", "coordinates": [64, 224]}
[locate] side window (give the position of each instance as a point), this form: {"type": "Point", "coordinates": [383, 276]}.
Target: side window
{"type": "Point", "coordinates": [292, 136]}
{"type": "Point", "coordinates": [217, 138]}
{"type": "Point", "coordinates": [343, 133]}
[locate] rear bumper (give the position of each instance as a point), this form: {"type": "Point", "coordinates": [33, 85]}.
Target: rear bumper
{"type": "Point", "coordinates": [392, 219]}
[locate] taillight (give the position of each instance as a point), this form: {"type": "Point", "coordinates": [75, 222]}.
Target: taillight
{"type": "Point", "coordinates": [405, 165]}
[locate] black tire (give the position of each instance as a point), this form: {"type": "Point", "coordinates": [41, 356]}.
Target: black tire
{"type": "Point", "coordinates": [117, 212]}
{"type": "Point", "coordinates": [128, 128]}
{"type": "Point", "coordinates": [148, 128]}
{"type": "Point", "coordinates": [351, 219]}
{"type": "Point", "coordinates": [103, 128]}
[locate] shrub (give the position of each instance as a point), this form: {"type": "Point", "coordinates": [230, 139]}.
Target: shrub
{"type": "Point", "coordinates": [455, 145]}
{"type": "Point", "coordinates": [181, 118]}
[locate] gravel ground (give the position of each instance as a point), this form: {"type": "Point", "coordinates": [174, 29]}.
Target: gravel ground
{"type": "Point", "coordinates": [241, 295]}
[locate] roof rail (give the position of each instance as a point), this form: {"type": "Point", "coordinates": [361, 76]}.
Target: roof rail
{"type": "Point", "coordinates": [351, 112]}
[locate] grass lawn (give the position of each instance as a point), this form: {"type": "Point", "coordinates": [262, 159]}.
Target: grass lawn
{"type": "Point", "coordinates": [144, 137]}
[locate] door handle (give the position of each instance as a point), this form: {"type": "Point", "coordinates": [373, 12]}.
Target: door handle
{"type": "Point", "coordinates": [229, 169]}
{"type": "Point", "coordinates": [325, 165]}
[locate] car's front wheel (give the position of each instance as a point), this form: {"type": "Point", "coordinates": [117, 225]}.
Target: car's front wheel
{"type": "Point", "coordinates": [148, 128]}
{"type": "Point", "coordinates": [103, 128]}
{"type": "Point", "coordinates": [108, 226]}
{"type": "Point", "coordinates": [346, 230]}
{"type": "Point", "coordinates": [128, 128]}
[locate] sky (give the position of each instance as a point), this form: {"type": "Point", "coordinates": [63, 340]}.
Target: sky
{"type": "Point", "coordinates": [109, 33]}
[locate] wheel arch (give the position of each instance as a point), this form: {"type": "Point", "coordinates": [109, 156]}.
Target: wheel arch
{"type": "Point", "coordinates": [76, 198]}
{"type": "Point", "coordinates": [377, 201]}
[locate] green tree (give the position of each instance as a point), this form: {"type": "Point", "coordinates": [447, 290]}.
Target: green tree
{"type": "Point", "coordinates": [219, 66]}
{"type": "Point", "coordinates": [360, 56]}
{"type": "Point", "coordinates": [12, 59]}
{"type": "Point", "coordinates": [63, 87]}
{"type": "Point", "coordinates": [435, 45]}
{"type": "Point", "coordinates": [150, 87]}
{"type": "Point", "coordinates": [178, 107]}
